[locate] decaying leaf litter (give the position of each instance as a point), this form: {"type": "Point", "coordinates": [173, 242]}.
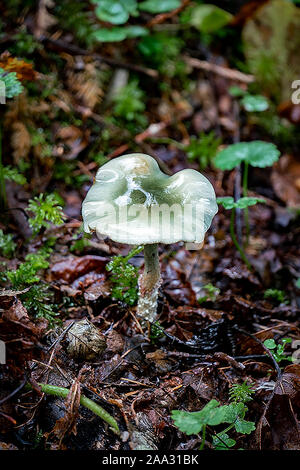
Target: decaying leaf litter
{"type": "Point", "coordinates": [63, 319]}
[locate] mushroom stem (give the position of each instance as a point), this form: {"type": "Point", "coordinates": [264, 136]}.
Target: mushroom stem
{"type": "Point", "coordinates": [149, 283]}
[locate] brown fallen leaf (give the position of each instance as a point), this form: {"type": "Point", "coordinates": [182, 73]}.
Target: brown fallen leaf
{"type": "Point", "coordinates": [285, 178]}
{"type": "Point", "coordinates": [73, 267]}
{"type": "Point", "coordinates": [23, 69]}
{"type": "Point", "coordinates": [279, 427]}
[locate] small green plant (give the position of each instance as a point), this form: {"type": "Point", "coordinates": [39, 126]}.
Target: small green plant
{"type": "Point", "coordinates": [277, 350]}
{"type": "Point", "coordinates": [27, 273]}
{"type": "Point", "coordinates": [257, 153]}
{"type": "Point", "coordinates": [12, 174]}
{"type": "Point", "coordinates": [240, 393]}
{"type": "Point", "coordinates": [129, 104]}
{"type": "Point", "coordinates": [156, 331]}
{"type": "Point", "coordinates": [229, 204]}
{"type": "Point", "coordinates": [46, 209]}
{"type": "Point", "coordinates": [124, 277]}
{"type": "Point", "coordinates": [212, 293]}
{"type": "Point", "coordinates": [203, 149]}
{"type": "Point", "coordinates": [118, 12]}
{"type": "Point", "coordinates": [214, 414]}
{"type": "Point", "coordinates": [276, 294]}
{"type": "Point", "coordinates": [162, 51]}
{"type": "Point", "coordinates": [37, 301]}
{"type": "Point", "coordinates": [12, 84]}
{"type": "Point", "coordinates": [251, 103]}
{"type": "Point", "coordinates": [7, 245]}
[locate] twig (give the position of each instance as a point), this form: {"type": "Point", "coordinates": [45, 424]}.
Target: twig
{"type": "Point", "coordinates": [84, 401]}
{"type": "Point", "coordinates": [225, 72]}
{"type": "Point", "coordinates": [74, 50]}
{"type": "Point", "coordinates": [275, 363]}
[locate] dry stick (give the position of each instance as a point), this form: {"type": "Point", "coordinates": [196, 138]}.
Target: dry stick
{"type": "Point", "coordinates": [275, 363]}
{"type": "Point", "coordinates": [225, 72]}
{"type": "Point", "coordinates": [237, 179]}
{"type": "Point", "coordinates": [74, 50]}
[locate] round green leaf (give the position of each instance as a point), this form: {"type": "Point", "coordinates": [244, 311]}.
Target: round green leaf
{"type": "Point", "coordinates": [248, 201]}
{"type": "Point", "coordinates": [257, 153]}
{"type": "Point", "coordinates": [209, 18]}
{"type": "Point", "coordinates": [270, 344]}
{"type": "Point", "coordinates": [110, 35]}
{"type": "Point", "coordinates": [159, 6]}
{"type": "Point", "coordinates": [112, 11]}
{"type": "Point", "coordinates": [255, 103]}
{"type": "Point", "coordinates": [227, 202]}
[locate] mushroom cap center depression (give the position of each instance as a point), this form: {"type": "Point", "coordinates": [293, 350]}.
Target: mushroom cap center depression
{"type": "Point", "coordinates": [134, 202]}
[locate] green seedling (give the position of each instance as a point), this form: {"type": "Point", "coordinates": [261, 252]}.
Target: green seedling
{"type": "Point", "coordinates": [37, 301]}
{"type": "Point", "coordinates": [203, 149]}
{"type": "Point", "coordinates": [277, 350]}
{"type": "Point", "coordinates": [214, 414]}
{"type": "Point", "coordinates": [7, 245]}
{"type": "Point", "coordinates": [212, 293]}
{"type": "Point", "coordinates": [124, 277]}
{"type": "Point", "coordinates": [277, 295]}
{"type": "Point", "coordinates": [257, 154]}
{"type": "Point", "coordinates": [129, 105]}
{"type": "Point", "coordinates": [251, 103]}
{"type": "Point", "coordinates": [27, 273]}
{"type": "Point", "coordinates": [46, 209]}
{"type": "Point", "coordinates": [243, 203]}
{"type": "Point", "coordinates": [10, 86]}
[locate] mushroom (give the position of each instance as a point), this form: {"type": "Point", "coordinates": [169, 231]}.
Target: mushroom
{"type": "Point", "coordinates": [132, 201]}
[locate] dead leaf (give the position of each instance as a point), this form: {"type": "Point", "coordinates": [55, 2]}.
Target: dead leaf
{"type": "Point", "coordinates": [73, 267]}
{"type": "Point", "coordinates": [23, 69]}
{"type": "Point", "coordinates": [285, 178]}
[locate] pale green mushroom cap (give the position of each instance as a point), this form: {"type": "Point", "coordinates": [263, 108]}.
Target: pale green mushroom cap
{"type": "Point", "coordinates": [132, 201]}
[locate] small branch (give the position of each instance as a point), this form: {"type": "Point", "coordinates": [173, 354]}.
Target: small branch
{"type": "Point", "coordinates": [74, 50]}
{"type": "Point", "coordinates": [84, 401]}
{"type": "Point", "coordinates": [225, 72]}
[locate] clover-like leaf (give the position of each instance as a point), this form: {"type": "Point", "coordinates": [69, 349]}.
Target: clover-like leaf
{"type": "Point", "coordinates": [255, 103]}
{"type": "Point", "coordinates": [228, 202]}
{"type": "Point", "coordinates": [257, 153]}
{"type": "Point", "coordinates": [115, 11]}
{"type": "Point", "coordinates": [133, 202]}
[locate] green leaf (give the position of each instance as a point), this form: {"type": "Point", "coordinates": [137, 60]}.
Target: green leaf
{"type": "Point", "coordinates": [115, 11]}
{"type": "Point", "coordinates": [159, 6]}
{"type": "Point", "coordinates": [297, 283]}
{"type": "Point", "coordinates": [257, 153]}
{"type": "Point", "coordinates": [244, 427]}
{"type": "Point", "coordinates": [227, 202]}
{"type": "Point", "coordinates": [119, 34]}
{"type": "Point", "coordinates": [192, 423]}
{"type": "Point", "coordinates": [13, 86]}
{"type": "Point", "coordinates": [255, 103]}
{"type": "Point", "coordinates": [270, 344]}
{"type": "Point", "coordinates": [236, 91]}
{"type": "Point", "coordinates": [248, 201]}
{"type": "Point", "coordinates": [12, 174]}
{"type": "Point", "coordinates": [208, 18]}
{"type": "Point", "coordinates": [222, 441]}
